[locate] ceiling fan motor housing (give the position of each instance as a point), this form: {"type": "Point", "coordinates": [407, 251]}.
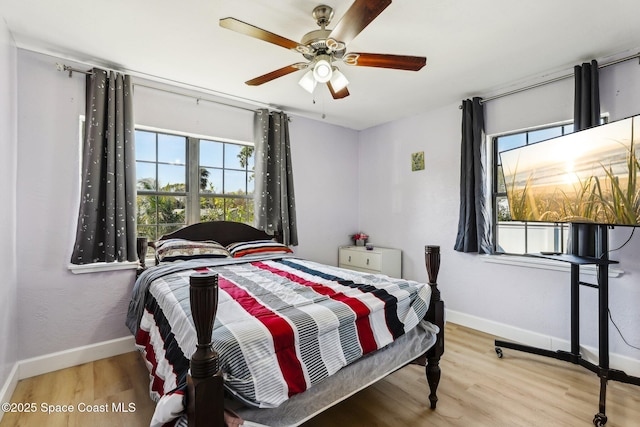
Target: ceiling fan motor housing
{"type": "Point", "coordinates": [319, 43]}
{"type": "Point", "coordinates": [323, 14]}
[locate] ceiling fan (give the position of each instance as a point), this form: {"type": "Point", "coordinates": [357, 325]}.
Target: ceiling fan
{"type": "Point", "coordinates": [323, 47]}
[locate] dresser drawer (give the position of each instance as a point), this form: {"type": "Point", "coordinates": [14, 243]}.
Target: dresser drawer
{"type": "Point", "coordinates": [367, 260]}
{"type": "Point", "coordinates": [377, 261]}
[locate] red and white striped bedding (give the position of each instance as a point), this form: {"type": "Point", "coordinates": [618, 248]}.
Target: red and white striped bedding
{"type": "Point", "coordinates": [282, 325]}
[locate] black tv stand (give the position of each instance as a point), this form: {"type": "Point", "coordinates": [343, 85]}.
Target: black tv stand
{"type": "Point", "coordinates": [598, 256]}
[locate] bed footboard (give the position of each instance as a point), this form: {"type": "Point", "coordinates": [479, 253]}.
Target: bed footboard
{"type": "Point", "coordinates": [205, 388]}
{"type": "Point", "coordinates": [435, 315]}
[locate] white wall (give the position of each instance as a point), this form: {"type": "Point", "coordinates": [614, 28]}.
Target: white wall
{"type": "Point", "coordinates": [408, 210]}
{"type": "Point", "coordinates": [325, 167]}
{"type": "Point", "coordinates": [8, 146]}
{"type": "Point", "coordinates": [59, 310]}
{"type": "Point", "coordinates": [167, 109]}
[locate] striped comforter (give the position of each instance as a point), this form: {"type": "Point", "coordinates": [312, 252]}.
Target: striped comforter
{"type": "Point", "coordinates": [282, 325]}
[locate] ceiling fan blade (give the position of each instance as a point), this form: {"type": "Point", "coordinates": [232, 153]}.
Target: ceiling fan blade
{"type": "Point", "coordinates": [396, 62]}
{"type": "Point", "coordinates": [277, 73]}
{"type": "Point", "coordinates": [359, 15]}
{"type": "Point", "coordinates": [259, 33]}
{"type": "Point", "coordinates": [343, 93]}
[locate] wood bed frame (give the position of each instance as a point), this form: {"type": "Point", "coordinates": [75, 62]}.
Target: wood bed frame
{"type": "Point", "coordinates": [205, 384]}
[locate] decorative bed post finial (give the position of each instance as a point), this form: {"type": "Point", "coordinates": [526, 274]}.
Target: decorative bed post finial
{"type": "Point", "coordinates": [435, 315]}
{"type": "Point", "coordinates": [203, 293]}
{"type": "Point", "coordinates": [204, 378]}
{"type": "Point", "coordinates": [432, 260]}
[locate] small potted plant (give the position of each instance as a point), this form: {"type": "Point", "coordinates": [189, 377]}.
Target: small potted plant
{"type": "Point", "coordinates": [360, 238]}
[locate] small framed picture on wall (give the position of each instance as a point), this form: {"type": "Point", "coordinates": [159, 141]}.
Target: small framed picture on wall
{"type": "Point", "coordinates": [417, 161]}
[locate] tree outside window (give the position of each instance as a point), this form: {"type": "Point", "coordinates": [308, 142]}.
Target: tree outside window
{"type": "Point", "coordinates": [221, 173]}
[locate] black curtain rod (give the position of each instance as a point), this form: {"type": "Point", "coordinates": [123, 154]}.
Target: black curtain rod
{"type": "Point", "coordinates": [566, 76]}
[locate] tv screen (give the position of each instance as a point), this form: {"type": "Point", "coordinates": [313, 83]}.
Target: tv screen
{"type": "Point", "coordinates": [588, 176]}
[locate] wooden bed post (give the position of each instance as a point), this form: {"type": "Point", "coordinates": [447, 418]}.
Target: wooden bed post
{"type": "Point", "coordinates": [435, 315]}
{"type": "Point", "coordinates": [205, 390]}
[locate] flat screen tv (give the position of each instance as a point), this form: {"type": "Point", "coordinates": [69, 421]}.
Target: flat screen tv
{"type": "Point", "coordinates": [588, 176]}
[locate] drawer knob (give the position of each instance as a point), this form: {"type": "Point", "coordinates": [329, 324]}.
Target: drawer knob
{"type": "Point", "coordinates": [349, 258]}
{"type": "Point", "coordinates": [367, 261]}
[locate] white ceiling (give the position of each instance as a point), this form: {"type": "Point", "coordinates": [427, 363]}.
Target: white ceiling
{"type": "Point", "coordinates": [472, 47]}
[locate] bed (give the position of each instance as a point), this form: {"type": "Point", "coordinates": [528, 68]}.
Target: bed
{"type": "Point", "coordinates": [236, 329]}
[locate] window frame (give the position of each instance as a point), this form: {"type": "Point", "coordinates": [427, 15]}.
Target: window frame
{"type": "Point", "coordinates": [192, 193]}
{"type": "Point", "coordinates": [560, 230]}
{"type": "Point", "coordinates": [520, 260]}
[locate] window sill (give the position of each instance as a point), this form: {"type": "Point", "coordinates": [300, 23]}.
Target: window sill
{"type": "Point", "coordinates": [546, 264]}
{"type": "Point", "coordinates": [102, 266]}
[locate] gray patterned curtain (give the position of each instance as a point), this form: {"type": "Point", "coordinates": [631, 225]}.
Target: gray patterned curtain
{"type": "Point", "coordinates": [474, 224]}
{"type": "Point", "coordinates": [275, 208]}
{"type": "Point", "coordinates": [106, 230]}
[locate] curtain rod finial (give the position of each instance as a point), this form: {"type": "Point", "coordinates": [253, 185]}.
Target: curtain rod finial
{"type": "Point", "coordinates": [62, 67]}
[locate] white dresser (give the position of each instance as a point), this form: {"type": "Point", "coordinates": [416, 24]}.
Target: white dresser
{"type": "Point", "coordinates": [378, 260]}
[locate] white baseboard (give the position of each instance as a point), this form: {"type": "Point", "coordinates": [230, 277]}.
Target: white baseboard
{"type": "Point", "coordinates": [63, 359]}
{"type": "Point", "coordinates": [75, 356]}
{"type": "Point", "coordinates": [616, 361]}
{"type": "Point", "coordinates": [9, 386]}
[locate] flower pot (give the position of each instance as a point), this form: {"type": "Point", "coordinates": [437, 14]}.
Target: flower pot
{"type": "Point", "coordinates": [360, 242]}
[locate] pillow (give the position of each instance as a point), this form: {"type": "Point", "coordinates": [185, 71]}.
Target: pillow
{"type": "Point", "coordinates": [180, 249]}
{"type": "Point", "coordinates": [257, 247]}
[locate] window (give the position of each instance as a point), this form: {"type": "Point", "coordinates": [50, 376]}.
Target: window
{"type": "Point", "coordinates": [184, 179]}
{"type": "Point", "coordinates": [519, 237]}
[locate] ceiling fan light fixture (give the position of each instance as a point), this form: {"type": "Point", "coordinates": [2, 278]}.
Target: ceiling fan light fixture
{"type": "Point", "coordinates": [308, 82]}
{"type": "Point", "coordinates": [338, 80]}
{"type": "Point", "coordinates": [322, 70]}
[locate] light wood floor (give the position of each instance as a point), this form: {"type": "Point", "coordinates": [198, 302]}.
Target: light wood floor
{"type": "Point", "coordinates": [476, 389]}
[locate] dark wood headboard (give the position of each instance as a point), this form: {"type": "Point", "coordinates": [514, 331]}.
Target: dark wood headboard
{"type": "Point", "coordinates": [223, 232]}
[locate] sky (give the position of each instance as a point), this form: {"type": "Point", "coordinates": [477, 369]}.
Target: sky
{"type": "Point", "coordinates": [171, 154]}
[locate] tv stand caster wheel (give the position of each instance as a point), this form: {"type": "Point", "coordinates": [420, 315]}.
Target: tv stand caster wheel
{"type": "Point", "coordinates": [599, 419]}
{"type": "Point", "coordinates": [499, 352]}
